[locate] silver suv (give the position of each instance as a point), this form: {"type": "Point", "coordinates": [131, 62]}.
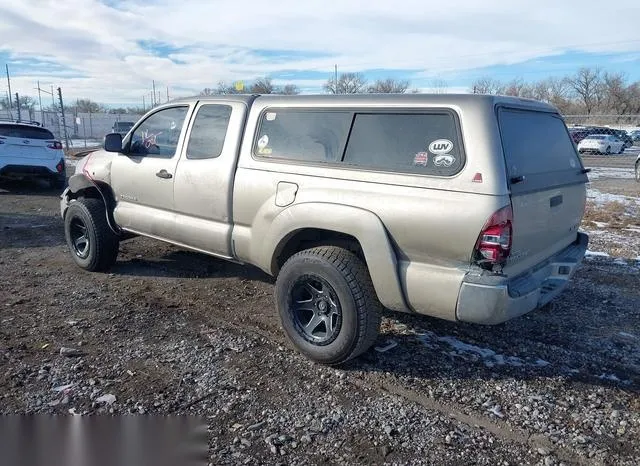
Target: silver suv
{"type": "Point", "coordinates": [462, 207]}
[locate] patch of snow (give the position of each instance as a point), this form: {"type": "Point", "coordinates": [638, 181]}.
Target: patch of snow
{"type": "Point", "coordinates": [611, 377]}
{"type": "Point", "coordinates": [596, 254]}
{"type": "Point", "coordinates": [601, 224]}
{"type": "Point", "coordinates": [620, 261]}
{"type": "Point", "coordinates": [629, 335]}
{"type": "Point", "coordinates": [605, 172]}
{"type": "Point", "coordinates": [604, 198]}
{"type": "Point", "coordinates": [475, 353]}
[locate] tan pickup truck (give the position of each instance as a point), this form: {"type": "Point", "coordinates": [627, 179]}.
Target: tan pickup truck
{"type": "Point", "coordinates": [462, 207]}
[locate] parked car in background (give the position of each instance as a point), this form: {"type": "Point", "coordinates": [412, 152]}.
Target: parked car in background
{"type": "Point", "coordinates": [578, 134]}
{"type": "Point", "coordinates": [635, 136]}
{"type": "Point", "coordinates": [618, 133]}
{"type": "Point", "coordinates": [122, 127]}
{"type": "Point", "coordinates": [601, 144]}
{"type": "Point", "coordinates": [28, 150]}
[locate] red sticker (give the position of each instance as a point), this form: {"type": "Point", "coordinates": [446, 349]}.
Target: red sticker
{"type": "Point", "coordinates": [421, 158]}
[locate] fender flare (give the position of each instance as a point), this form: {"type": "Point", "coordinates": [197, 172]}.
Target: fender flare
{"type": "Point", "coordinates": [362, 224]}
{"type": "Point", "coordinates": [80, 181]}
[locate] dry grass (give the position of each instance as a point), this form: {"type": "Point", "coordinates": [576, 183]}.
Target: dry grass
{"type": "Point", "coordinates": [611, 213]}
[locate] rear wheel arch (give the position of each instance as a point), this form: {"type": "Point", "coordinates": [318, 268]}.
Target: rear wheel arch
{"type": "Point", "coordinates": [307, 225]}
{"type": "Point", "coordinates": [308, 238]}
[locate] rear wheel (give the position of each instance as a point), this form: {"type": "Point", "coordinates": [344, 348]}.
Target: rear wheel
{"type": "Point", "coordinates": [92, 243]}
{"type": "Point", "coordinates": [327, 304]}
{"type": "Point", "coordinates": [621, 150]}
{"type": "Point", "coordinates": [607, 150]}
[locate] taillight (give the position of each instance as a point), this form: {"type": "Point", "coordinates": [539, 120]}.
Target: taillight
{"type": "Point", "coordinates": [57, 145]}
{"type": "Point", "coordinates": [60, 166]}
{"type": "Point", "coordinates": [494, 243]}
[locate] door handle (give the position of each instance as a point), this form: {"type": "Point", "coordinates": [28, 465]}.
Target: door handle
{"type": "Point", "coordinates": [164, 174]}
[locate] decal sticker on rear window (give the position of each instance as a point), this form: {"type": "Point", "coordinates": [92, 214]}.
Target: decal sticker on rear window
{"type": "Point", "coordinates": [441, 147]}
{"type": "Point", "coordinates": [270, 116]}
{"type": "Point", "coordinates": [421, 158]}
{"type": "Point", "coordinates": [444, 160]}
{"type": "Point", "coordinates": [263, 142]}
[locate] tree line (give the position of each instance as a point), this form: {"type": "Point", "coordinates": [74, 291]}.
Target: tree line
{"type": "Point", "coordinates": [589, 91]}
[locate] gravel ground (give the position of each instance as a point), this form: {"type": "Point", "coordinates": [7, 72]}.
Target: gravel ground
{"type": "Point", "coordinates": [173, 332]}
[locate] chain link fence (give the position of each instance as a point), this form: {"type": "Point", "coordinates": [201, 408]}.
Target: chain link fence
{"type": "Point", "coordinates": [81, 127]}
{"type": "Point", "coordinates": [624, 122]}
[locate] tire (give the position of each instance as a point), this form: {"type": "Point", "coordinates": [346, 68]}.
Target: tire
{"type": "Point", "coordinates": [608, 150]}
{"type": "Point", "coordinates": [638, 172]}
{"type": "Point", "coordinates": [340, 280]}
{"type": "Point", "coordinates": [92, 243]}
{"type": "Point", "coordinates": [622, 148]}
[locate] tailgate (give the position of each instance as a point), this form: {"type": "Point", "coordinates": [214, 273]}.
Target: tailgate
{"type": "Point", "coordinates": [28, 149]}
{"type": "Point", "coordinates": [547, 183]}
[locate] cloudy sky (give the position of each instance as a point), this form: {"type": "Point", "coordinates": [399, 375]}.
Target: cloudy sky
{"type": "Point", "coordinates": [111, 50]}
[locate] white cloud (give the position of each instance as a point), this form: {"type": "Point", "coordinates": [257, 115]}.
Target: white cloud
{"type": "Point", "coordinates": [100, 43]}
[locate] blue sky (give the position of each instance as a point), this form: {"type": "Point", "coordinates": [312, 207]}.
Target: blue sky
{"type": "Point", "coordinates": [111, 50]}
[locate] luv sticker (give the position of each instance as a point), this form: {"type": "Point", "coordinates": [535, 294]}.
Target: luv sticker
{"type": "Point", "coordinates": [441, 146]}
{"type": "Point", "coordinates": [421, 158]}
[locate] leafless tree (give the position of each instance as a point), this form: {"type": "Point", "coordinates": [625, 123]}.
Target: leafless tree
{"type": "Point", "coordinates": [439, 86]}
{"type": "Point", "coordinates": [348, 83]}
{"type": "Point", "coordinates": [517, 88]}
{"type": "Point", "coordinates": [617, 95]}
{"type": "Point", "coordinates": [587, 86]}
{"type": "Point", "coordinates": [263, 86]}
{"type": "Point", "coordinates": [388, 86]}
{"type": "Point", "coordinates": [487, 85]}
{"type": "Point", "coordinates": [290, 89]}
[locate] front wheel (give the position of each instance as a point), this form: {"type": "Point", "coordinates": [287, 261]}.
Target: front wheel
{"type": "Point", "coordinates": [92, 243]}
{"type": "Point", "coordinates": [608, 150]}
{"type": "Point", "coordinates": [327, 304]}
{"type": "Point", "coordinates": [638, 172]}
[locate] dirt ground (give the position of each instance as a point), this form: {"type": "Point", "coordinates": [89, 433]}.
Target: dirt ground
{"type": "Point", "coordinates": [173, 332]}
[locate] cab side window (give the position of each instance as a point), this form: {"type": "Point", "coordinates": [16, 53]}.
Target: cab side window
{"type": "Point", "coordinates": [208, 132]}
{"type": "Point", "coordinates": [158, 135]}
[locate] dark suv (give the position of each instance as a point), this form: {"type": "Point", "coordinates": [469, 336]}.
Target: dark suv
{"type": "Point", "coordinates": [122, 127]}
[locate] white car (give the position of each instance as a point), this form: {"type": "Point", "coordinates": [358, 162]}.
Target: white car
{"type": "Point", "coordinates": [28, 150]}
{"type": "Point", "coordinates": [601, 144]}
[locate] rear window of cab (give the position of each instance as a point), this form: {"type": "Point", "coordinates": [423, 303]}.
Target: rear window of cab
{"type": "Point", "coordinates": [414, 142]}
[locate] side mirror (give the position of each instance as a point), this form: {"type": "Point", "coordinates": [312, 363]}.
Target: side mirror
{"type": "Point", "coordinates": [113, 142]}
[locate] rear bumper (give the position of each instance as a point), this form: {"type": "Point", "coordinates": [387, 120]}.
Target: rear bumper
{"type": "Point", "coordinates": [46, 168]}
{"type": "Point", "coordinates": [493, 300]}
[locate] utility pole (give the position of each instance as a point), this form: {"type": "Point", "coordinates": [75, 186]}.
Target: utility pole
{"type": "Point", "coordinates": [167, 93]}
{"type": "Point", "coordinates": [335, 82]}
{"type": "Point", "coordinates": [154, 92]}
{"type": "Point", "coordinates": [64, 123]}
{"type": "Point", "coordinates": [8, 84]}
{"type": "Point", "coordinates": [144, 105]}
{"type": "Point", "coordinates": [40, 102]}
{"type": "Point", "coordinates": [18, 105]}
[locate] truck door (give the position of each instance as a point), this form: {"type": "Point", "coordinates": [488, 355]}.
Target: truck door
{"type": "Point", "coordinates": [203, 183]}
{"type": "Point", "coordinates": [142, 175]}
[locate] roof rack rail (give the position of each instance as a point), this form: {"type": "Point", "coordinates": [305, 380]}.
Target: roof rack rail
{"type": "Point", "coordinates": [22, 122]}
